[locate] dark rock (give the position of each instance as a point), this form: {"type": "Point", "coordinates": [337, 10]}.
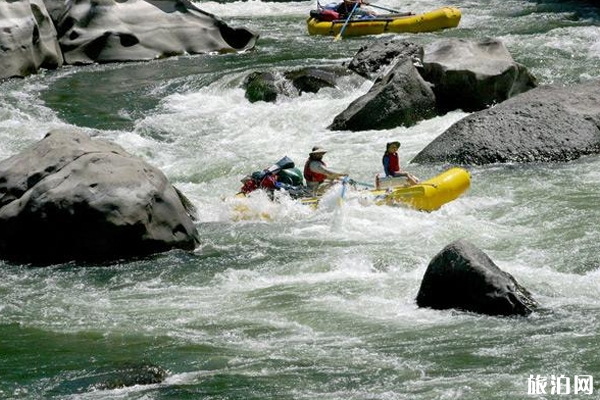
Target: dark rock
{"type": "Point", "coordinates": [463, 277]}
{"type": "Point", "coordinates": [399, 98]}
{"type": "Point", "coordinates": [261, 86]}
{"type": "Point", "coordinates": [28, 39]}
{"type": "Point", "coordinates": [129, 375]}
{"type": "Point", "coordinates": [109, 377]}
{"type": "Point", "coordinates": [370, 60]}
{"type": "Point", "coordinates": [313, 79]}
{"type": "Point", "coordinates": [549, 123]}
{"type": "Point", "coordinates": [472, 76]}
{"type": "Point", "coordinates": [70, 198]}
{"type": "Point", "coordinates": [267, 86]}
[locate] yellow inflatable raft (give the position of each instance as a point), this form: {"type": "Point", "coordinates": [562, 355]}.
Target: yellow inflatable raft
{"type": "Point", "coordinates": [447, 17]}
{"type": "Point", "coordinates": [427, 195]}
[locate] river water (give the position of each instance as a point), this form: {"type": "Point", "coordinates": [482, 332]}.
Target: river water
{"type": "Point", "coordinates": [307, 304]}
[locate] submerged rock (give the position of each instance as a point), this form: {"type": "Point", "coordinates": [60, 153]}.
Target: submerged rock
{"type": "Point", "coordinates": [313, 79]}
{"type": "Point", "coordinates": [549, 123]}
{"type": "Point", "coordinates": [110, 376]}
{"type": "Point", "coordinates": [129, 375]}
{"type": "Point", "coordinates": [262, 86]}
{"type": "Point", "coordinates": [267, 86]}
{"type": "Point", "coordinates": [463, 277]}
{"type": "Point", "coordinates": [68, 197]}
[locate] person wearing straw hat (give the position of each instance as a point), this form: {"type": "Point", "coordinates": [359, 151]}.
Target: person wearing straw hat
{"type": "Point", "coordinates": [316, 171]}
{"type": "Point", "coordinates": [391, 163]}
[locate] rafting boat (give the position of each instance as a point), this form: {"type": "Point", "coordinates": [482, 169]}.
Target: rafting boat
{"type": "Point", "coordinates": [443, 18]}
{"type": "Point", "coordinates": [427, 195]}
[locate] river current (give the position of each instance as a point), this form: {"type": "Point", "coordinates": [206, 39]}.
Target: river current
{"type": "Point", "coordinates": [308, 304]}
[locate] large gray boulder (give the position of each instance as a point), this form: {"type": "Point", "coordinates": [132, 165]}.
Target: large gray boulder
{"type": "Point", "coordinates": [69, 197]}
{"type": "Point", "coordinates": [549, 123]}
{"type": "Point", "coordinates": [473, 75]}
{"type": "Point", "coordinates": [124, 30]}
{"type": "Point", "coordinates": [463, 277]}
{"type": "Point", "coordinates": [370, 60]}
{"type": "Point", "coordinates": [27, 39]}
{"type": "Point", "coordinates": [400, 97]}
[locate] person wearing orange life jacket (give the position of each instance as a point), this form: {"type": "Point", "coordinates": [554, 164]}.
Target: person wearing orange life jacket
{"type": "Point", "coordinates": [259, 180]}
{"type": "Point", "coordinates": [316, 171]}
{"type": "Point", "coordinates": [391, 163]}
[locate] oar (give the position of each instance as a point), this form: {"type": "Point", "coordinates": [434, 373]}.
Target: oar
{"type": "Point", "coordinates": [284, 163]}
{"type": "Point", "coordinates": [345, 181]}
{"type": "Point", "coordinates": [339, 35]}
{"type": "Point", "coordinates": [352, 182]}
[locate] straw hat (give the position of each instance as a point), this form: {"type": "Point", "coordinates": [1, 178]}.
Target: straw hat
{"type": "Point", "coordinates": [318, 150]}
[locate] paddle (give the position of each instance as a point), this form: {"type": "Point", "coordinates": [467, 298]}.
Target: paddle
{"type": "Point", "coordinates": [369, 185]}
{"type": "Point", "coordinates": [339, 35]}
{"type": "Point", "coordinates": [345, 181]}
{"type": "Point", "coordinates": [284, 163]}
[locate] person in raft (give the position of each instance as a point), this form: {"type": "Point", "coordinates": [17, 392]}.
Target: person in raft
{"type": "Point", "coordinates": [345, 8]}
{"type": "Point", "coordinates": [316, 172]}
{"type": "Point", "coordinates": [391, 164]}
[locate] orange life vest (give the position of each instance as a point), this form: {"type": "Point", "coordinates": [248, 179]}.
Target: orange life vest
{"type": "Point", "coordinates": [391, 163]}
{"type": "Point", "coordinates": [312, 176]}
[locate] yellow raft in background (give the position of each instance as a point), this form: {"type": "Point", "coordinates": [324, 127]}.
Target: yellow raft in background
{"type": "Point", "coordinates": [443, 18]}
{"type": "Point", "coordinates": [427, 195]}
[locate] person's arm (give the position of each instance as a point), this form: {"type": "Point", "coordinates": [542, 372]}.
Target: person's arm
{"type": "Point", "coordinates": [367, 11]}
{"type": "Point", "coordinates": [386, 165]}
{"type": "Point", "coordinates": [318, 167]}
{"type": "Point", "coordinates": [403, 172]}
{"type": "Point", "coordinates": [413, 180]}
